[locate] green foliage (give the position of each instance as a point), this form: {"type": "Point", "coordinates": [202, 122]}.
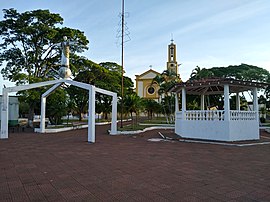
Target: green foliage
{"type": "Point", "coordinates": [151, 107]}
{"type": "Point", "coordinates": [199, 73]}
{"type": "Point", "coordinates": [165, 81]}
{"type": "Point", "coordinates": [168, 103]}
{"type": "Point", "coordinates": [28, 44]}
{"type": "Point", "coordinates": [23, 108]}
{"type": "Point", "coordinates": [28, 52]}
{"type": "Point", "coordinates": [243, 72]}
{"type": "Point", "coordinates": [132, 103]}
{"type": "Point", "coordinates": [56, 106]}
{"type": "Point", "coordinates": [112, 66]}
{"type": "Point", "coordinates": [107, 76]}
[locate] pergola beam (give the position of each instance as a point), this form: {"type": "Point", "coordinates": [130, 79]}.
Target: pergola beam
{"type": "Point", "coordinates": [57, 83]}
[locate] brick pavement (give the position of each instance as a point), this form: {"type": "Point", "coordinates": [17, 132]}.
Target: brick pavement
{"type": "Point", "coordinates": [64, 167]}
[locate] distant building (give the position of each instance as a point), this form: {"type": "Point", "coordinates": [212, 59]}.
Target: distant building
{"type": "Point", "coordinates": [144, 86]}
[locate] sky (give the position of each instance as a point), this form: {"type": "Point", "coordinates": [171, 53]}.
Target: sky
{"type": "Point", "coordinates": [207, 33]}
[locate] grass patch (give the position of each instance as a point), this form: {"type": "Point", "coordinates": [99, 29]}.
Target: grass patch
{"type": "Point", "coordinates": [131, 127]}
{"type": "Point", "coordinates": [146, 123]}
{"type": "Point", "coordinates": [155, 120]}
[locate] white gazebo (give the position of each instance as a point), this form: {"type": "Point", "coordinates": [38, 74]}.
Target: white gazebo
{"type": "Point", "coordinates": [219, 125]}
{"type": "Point", "coordinates": [56, 84]}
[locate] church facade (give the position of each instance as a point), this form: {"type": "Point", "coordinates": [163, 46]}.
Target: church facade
{"type": "Point", "coordinates": [145, 88]}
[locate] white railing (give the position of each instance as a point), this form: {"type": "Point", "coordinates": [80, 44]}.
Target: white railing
{"type": "Point", "coordinates": [194, 115]}
{"type": "Point", "coordinates": [236, 115]}
{"type": "Point", "coordinates": [218, 115]}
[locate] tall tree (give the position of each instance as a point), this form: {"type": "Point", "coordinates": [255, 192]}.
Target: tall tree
{"type": "Point", "coordinates": [132, 104]}
{"type": "Point", "coordinates": [28, 44]}
{"type": "Point", "coordinates": [28, 52]}
{"type": "Point", "coordinates": [165, 81]}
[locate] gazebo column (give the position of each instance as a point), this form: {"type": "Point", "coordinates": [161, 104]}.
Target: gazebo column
{"type": "Point", "coordinates": [202, 102]}
{"type": "Point", "coordinates": [237, 101]}
{"type": "Point", "coordinates": [183, 103]}
{"type": "Point", "coordinates": [226, 102]}
{"type": "Point", "coordinates": [255, 103]}
{"type": "Point", "coordinates": [176, 102]}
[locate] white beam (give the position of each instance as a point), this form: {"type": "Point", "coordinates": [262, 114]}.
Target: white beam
{"type": "Point", "coordinates": [79, 84]}
{"type": "Point", "coordinates": [53, 88]}
{"type": "Point", "coordinates": [34, 85]}
{"type": "Point", "coordinates": [105, 91]}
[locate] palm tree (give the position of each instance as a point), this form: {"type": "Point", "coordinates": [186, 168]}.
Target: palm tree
{"type": "Point", "coordinates": [195, 74]}
{"type": "Point", "coordinates": [199, 73]}
{"type": "Point", "coordinates": [165, 81]}
{"type": "Point", "coordinates": [132, 104]}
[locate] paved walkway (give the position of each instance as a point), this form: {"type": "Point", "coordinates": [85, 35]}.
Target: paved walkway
{"type": "Point", "coordinates": [64, 167]}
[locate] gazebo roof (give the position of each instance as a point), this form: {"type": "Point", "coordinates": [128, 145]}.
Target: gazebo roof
{"type": "Point", "coordinates": [216, 86]}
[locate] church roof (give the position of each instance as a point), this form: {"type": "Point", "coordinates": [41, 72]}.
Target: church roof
{"type": "Point", "coordinates": [216, 86]}
{"type": "Point", "coordinates": [146, 73]}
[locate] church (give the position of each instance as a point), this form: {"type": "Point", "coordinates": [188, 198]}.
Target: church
{"type": "Point", "coordinates": [144, 86]}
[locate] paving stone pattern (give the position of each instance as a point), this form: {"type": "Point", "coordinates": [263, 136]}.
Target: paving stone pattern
{"type": "Point", "coordinates": [65, 167]}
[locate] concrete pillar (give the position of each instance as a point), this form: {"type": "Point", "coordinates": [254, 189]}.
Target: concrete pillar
{"type": "Point", "coordinates": [227, 102]}
{"type": "Point", "coordinates": [42, 114]}
{"type": "Point", "coordinates": [4, 115]}
{"type": "Point", "coordinates": [114, 116]}
{"type": "Point", "coordinates": [237, 101]}
{"type": "Point", "coordinates": [91, 115]}
{"type": "Point", "coordinates": [202, 102]}
{"type": "Point", "coordinates": [183, 103]}
{"type": "Point", "coordinates": [255, 103]}
{"type": "Point", "coordinates": [176, 102]}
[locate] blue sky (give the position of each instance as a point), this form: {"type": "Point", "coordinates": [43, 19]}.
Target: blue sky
{"type": "Point", "coordinates": [208, 33]}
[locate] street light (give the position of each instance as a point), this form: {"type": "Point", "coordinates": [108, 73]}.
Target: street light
{"type": "Point", "coordinates": [122, 64]}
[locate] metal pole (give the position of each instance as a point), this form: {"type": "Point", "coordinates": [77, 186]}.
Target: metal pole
{"type": "Point", "coordinates": [122, 61]}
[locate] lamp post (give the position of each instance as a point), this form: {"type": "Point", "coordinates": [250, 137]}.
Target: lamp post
{"type": "Point", "coordinates": [122, 64]}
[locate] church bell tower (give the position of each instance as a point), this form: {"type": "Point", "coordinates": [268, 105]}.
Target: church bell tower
{"type": "Point", "coordinates": [172, 63]}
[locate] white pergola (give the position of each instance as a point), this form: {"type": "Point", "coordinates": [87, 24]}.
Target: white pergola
{"type": "Point", "coordinates": [220, 125]}
{"type": "Point", "coordinates": [57, 83]}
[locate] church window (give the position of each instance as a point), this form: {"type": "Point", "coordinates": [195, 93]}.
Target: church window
{"type": "Point", "coordinates": [151, 90]}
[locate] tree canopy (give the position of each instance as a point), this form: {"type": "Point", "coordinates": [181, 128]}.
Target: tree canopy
{"type": "Point", "coordinates": [242, 72]}
{"type": "Point", "coordinates": [27, 48]}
